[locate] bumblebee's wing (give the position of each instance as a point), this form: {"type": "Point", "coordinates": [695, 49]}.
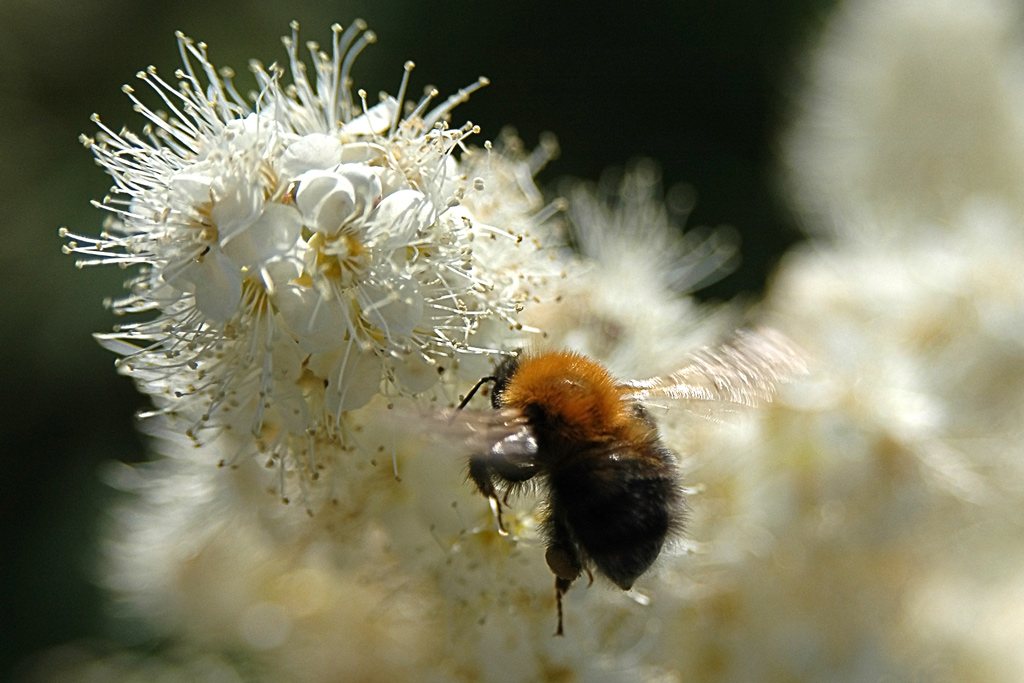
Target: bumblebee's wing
{"type": "Point", "coordinates": [745, 370]}
{"type": "Point", "coordinates": [474, 431]}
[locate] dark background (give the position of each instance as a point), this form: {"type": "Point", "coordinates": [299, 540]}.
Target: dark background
{"type": "Point", "coordinates": [701, 86]}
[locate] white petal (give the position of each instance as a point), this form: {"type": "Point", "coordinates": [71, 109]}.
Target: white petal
{"type": "Point", "coordinates": [289, 403]}
{"type": "Point", "coordinates": [364, 152]}
{"type": "Point", "coordinates": [287, 359]}
{"type": "Point", "coordinates": [274, 233]}
{"type": "Point", "coordinates": [377, 120]}
{"type": "Point", "coordinates": [353, 381]}
{"type": "Point", "coordinates": [216, 284]}
{"type": "Point", "coordinates": [317, 324]}
{"type": "Point", "coordinates": [415, 374]}
{"type": "Point", "coordinates": [116, 344]}
{"type": "Point", "coordinates": [281, 272]}
{"type": "Point", "coordinates": [247, 125]}
{"type": "Point", "coordinates": [327, 201]}
{"type": "Point", "coordinates": [320, 364]}
{"type": "Point", "coordinates": [395, 308]}
{"type": "Point", "coordinates": [392, 181]}
{"type": "Point", "coordinates": [237, 202]}
{"type": "Point", "coordinates": [401, 215]}
{"type": "Point", "coordinates": [312, 151]}
{"type": "Point", "coordinates": [290, 406]}
{"type": "Point", "coordinates": [450, 178]}
{"type": "Point", "coordinates": [366, 183]}
{"type": "Point", "coordinates": [193, 188]}
{"type": "Point", "coordinates": [163, 292]}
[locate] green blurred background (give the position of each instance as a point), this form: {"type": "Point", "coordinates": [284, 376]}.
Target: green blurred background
{"type": "Point", "coordinates": [702, 87]}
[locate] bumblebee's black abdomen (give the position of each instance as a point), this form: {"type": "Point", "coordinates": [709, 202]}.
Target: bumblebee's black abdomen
{"type": "Point", "coordinates": [619, 510]}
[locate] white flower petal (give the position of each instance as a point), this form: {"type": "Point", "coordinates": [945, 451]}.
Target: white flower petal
{"type": "Point", "coordinates": [353, 381]}
{"type": "Point", "coordinates": [237, 203]}
{"type": "Point", "coordinates": [318, 324]}
{"type": "Point", "coordinates": [401, 215]}
{"type": "Point", "coordinates": [392, 180]}
{"type": "Point", "coordinates": [314, 151]}
{"type": "Point", "coordinates": [450, 177]}
{"type": "Point", "coordinates": [361, 152]}
{"type": "Point", "coordinates": [191, 187]}
{"type": "Point", "coordinates": [246, 125]}
{"type": "Point", "coordinates": [395, 308]}
{"type": "Point", "coordinates": [287, 359]}
{"type": "Point", "coordinates": [273, 234]}
{"type": "Point", "coordinates": [282, 272]}
{"type": "Point", "coordinates": [289, 406]}
{"type": "Point", "coordinates": [377, 120]}
{"type": "Point", "coordinates": [215, 283]}
{"type": "Point", "coordinates": [327, 201]}
{"type": "Point", "coordinates": [366, 183]}
{"type": "Point", "coordinates": [415, 374]}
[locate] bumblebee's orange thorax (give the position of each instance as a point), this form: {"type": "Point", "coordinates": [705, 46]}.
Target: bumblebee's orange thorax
{"type": "Point", "coordinates": [572, 389]}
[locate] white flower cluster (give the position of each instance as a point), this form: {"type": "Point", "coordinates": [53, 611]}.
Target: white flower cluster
{"type": "Point", "coordinates": [884, 500]}
{"type": "Point", "coordinates": [304, 256]}
{"type": "Point", "coordinates": [305, 253]}
{"type": "Point", "coordinates": [410, 580]}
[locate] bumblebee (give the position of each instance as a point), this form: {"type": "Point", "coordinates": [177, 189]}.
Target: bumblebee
{"type": "Point", "coordinates": [612, 487]}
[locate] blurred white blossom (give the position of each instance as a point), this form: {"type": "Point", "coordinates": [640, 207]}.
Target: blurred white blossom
{"type": "Point", "coordinates": [903, 457]}
{"type": "Point", "coordinates": [911, 110]}
{"type": "Point", "coordinates": [626, 303]}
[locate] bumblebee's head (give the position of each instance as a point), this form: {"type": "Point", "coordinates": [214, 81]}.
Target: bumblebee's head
{"type": "Point", "coordinates": [502, 375]}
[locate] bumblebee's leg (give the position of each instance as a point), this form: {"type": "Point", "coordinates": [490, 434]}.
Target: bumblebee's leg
{"type": "Point", "coordinates": [564, 562]}
{"type": "Point", "coordinates": [561, 587]}
{"type": "Point", "coordinates": [482, 474]}
{"type": "Point", "coordinates": [566, 567]}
